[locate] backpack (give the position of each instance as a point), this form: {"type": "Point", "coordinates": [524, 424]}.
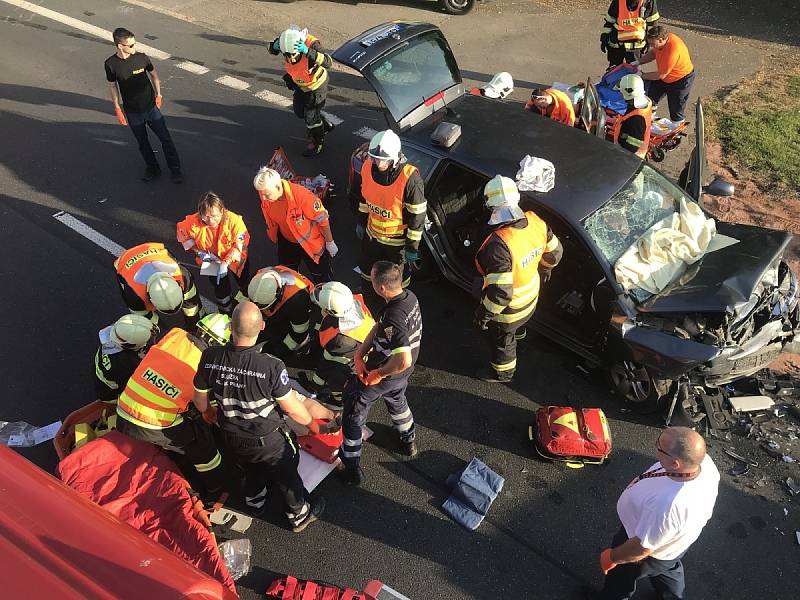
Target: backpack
{"type": "Point", "coordinates": [574, 436]}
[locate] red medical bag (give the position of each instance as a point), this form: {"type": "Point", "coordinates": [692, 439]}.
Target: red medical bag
{"type": "Point", "coordinates": [324, 446]}
{"type": "Point", "coordinates": [576, 437]}
{"type": "Point", "coordinates": [291, 588]}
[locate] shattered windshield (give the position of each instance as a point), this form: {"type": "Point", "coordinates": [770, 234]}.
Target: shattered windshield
{"type": "Point", "coordinates": [646, 199]}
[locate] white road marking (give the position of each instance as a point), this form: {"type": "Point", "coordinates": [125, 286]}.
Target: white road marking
{"type": "Point", "coordinates": [273, 98]}
{"type": "Point", "coordinates": [365, 132]}
{"type": "Point", "coordinates": [334, 120]}
{"type": "Point", "coordinates": [108, 244]}
{"type": "Point", "coordinates": [82, 26]}
{"type": "Point", "coordinates": [232, 82]}
{"type": "Point", "coordinates": [188, 65]}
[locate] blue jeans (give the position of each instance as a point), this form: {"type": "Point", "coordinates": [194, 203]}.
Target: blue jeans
{"type": "Point", "coordinates": [677, 94]}
{"type": "Point", "coordinates": [138, 123]}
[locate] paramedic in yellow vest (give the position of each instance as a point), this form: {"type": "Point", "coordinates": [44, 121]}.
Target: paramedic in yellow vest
{"type": "Point", "coordinates": [297, 223]}
{"type": "Point", "coordinates": [346, 323]}
{"type": "Point", "coordinates": [155, 405]}
{"type": "Point", "coordinates": [632, 130]}
{"type": "Point", "coordinates": [510, 261]}
{"type": "Point", "coordinates": [307, 76]}
{"type": "Point", "coordinates": [152, 283]}
{"type": "Point", "coordinates": [284, 297]}
{"type": "Point", "coordinates": [218, 237]}
{"type": "Point", "coordinates": [391, 210]}
{"type": "Point", "coordinates": [625, 28]}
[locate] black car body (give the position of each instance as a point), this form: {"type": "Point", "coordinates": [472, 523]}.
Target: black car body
{"type": "Point", "coordinates": [727, 317]}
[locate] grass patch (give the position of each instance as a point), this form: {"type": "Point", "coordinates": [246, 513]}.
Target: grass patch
{"type": "Point", "coordinates": [758, 125]}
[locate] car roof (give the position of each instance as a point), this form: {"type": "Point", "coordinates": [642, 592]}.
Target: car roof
{"type": "Point", "coordinates": [496, 135]}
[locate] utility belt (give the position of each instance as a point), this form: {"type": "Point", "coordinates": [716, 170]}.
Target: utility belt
{"type": "Point", "coordinates": [241, 442]}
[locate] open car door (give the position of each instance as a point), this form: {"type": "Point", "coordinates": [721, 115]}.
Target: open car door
{"type": "Point", "coordinates": [593, 117]}
{"type": "Point", "coordinates": [692, 178]}
{"type": "Point", "coordinates": [409, 65]}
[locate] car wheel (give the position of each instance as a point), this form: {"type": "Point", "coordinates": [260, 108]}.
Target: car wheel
{"type": "Point", "coordinates": [634, 384]}
{"type": "Point", "coordinates": [457, 7]}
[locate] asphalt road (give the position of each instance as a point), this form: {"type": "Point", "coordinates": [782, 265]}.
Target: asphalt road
{"type": "Point", "coordinates": [62, 150]}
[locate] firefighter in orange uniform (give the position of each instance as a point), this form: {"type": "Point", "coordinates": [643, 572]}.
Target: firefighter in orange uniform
{"type": "Point", "coordinates": [298, 223]}
{"type": "Point", "coordinates": [624, 30]}
{"type": "Point", "coordinates": [552, 103]}
{"type": "Point", "coordinates": [346, 323]}
{"type": "Point", "coordinates": [391, 210]}
{"type": "Point", "coordinates": [155, 405]}
{"type": "Point", "coordinates": [632, 130]}
{"type": "Point", "coordinates": [509, 260]}
{"type": "Point", "coordinates": [307, 76]}
{"type": "Point", "coordinates": [152, 282]}
{"type": "Point", "coordinates": [284, 297]}
{"type": "Point", "coordinates": [217, 235]}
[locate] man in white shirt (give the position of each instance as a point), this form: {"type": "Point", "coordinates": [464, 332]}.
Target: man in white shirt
{"type": "Point", "coordinates": [662, 511]}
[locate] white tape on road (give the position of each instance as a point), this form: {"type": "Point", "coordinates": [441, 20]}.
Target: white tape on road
{"type": "Point", "coordinates": [188, 65]}
{"type": "Point", "coordinates": [273, 98]}
{"type": "Point", "coordinates": [365, 132]}
{"type": "Point", "coordinates": [83, 26]}
{"type": "Point", "coordinates": [108, 245]}
{"type": "Point", "coordinates": [232, 82]}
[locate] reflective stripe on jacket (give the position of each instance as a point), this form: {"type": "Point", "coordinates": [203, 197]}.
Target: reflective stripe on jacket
{"type": "Point", "coordinates": [630, 24]}
{"type": "Point", "coordinates": [647, 113]}
{"type": "Point", "coordinates": [308, 77]}
{"type": "Point", "coordinates": [300, 205]}
{"type": "Point", "coordinates": [293, 283]}
{"type": "Point", "coordinates": [160, 389]}
{"type": "Point", "coordinates": [385, 205]}
{"type": "Point", "coordinates": [222, 241]}
{"type": "Point", "coordinates": [137, 264]}
{"type": "Point", "coordinates": [358, 333]}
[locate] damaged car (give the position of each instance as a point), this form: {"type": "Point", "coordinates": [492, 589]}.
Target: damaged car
{"type": "Point", "coordinates": [723, 313]}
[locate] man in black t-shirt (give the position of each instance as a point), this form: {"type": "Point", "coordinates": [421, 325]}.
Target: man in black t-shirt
{"type": "Point", "coordinates": [253, 393]}
{"type": "Point", "coordinates": [132, 77]}
{"type": "Point", "coordinates": [383, 364]}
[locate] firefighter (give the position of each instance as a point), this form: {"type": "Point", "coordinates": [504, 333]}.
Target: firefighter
{"type": "Point", "coordinates": [346, 322]}
{"type": "Point", "coordinates": [632, 130]}
{"type": "Point", "coordinates": [217, 235]}
{"type": "Point", "coordinates": [552, 103]}
{"type": "Point", "coordinates": [152, 282]}
{"type": "Point", "coordinates": [298, 223]}
{"type": "Point", "coordinates": [625, 28]}
{"type": "Point", "coordinates": [307, 76]}
{"type": "Point", "coordinates": [392, 209]}
{"type": "Point", "coordinates": [155, 404]}
{"type": "Point", "coordinates": [284, 297]}
{"type": "Point", "coordinates": [509, 261]}
{"type": "Point", "coordinates": [122, 346]}
{"type": "Point", "coordinates": [500, 86]}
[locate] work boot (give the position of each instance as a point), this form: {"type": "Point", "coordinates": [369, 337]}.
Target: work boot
{"type": "Point", "coordinates": [313, 149]}
{"type": "Point", "coordinates": [489, 375]}
{"type": "Point", "coordinates": [317, 506]}
{"type": "Point", "coordinates": [150, 174]}
{"type": "Point", "coordinates": [353, 476]}
{"type": "Point", "coordinates": [176, 176]}
{"type": "Point", "coordinates": [408, 449]}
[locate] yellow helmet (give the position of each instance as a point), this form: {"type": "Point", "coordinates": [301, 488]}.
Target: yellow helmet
{"type": "Point", "coordinates": [132, 332]}
{"type": "Point", "coordinates": [165, 293]}
{"type": "Point", "coordinates": [264, 287]}
{"type": "Point", "coordinates": [334, 298]}
{"type": "Point", "coordinates": [214, 329]}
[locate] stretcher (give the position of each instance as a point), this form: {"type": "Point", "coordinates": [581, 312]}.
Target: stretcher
{"type": "Point", "coordinates": [319, 185]}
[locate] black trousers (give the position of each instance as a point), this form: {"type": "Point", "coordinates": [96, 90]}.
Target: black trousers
{"type": "Point", "coordinates": [503, 339]}
{"type": "Point", "coordinates": [358, 400]}
{"type": "Point", "coordinates": [617, 56]}
{"type": "Point", "coordinates": [272, 460]}
{"type": "Point", "coordinates": [371, 252]}
{"type": "Point", "coordinates": [677, 94]}
{"type": "Point", "coordinates": [291, 254]}
{"type": "Point", "coordinates": [308, 106]}
{"type": "Point", "coordinates": [665, 575]}
{"type": "Point", "coordinates": [191, 439]}
{"type": "Point", "coordinates": [138, 122]}
{"type": "Point", "coordinates": [223, 293]}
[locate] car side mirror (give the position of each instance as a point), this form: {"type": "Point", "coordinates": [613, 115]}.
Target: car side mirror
{"type": "Point", "coordinates": [719, 187]}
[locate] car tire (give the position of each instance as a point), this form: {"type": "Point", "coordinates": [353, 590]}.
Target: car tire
{"type": "Point", "coordinates": [638, 388]}
{"type": "Point", "coordinates": [457, 7]}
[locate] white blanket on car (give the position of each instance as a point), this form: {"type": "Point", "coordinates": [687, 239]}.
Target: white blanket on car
{"type": "Point", "coordinates": [665, 250]}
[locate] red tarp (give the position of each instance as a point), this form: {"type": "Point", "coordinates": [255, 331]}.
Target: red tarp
{"type": "Point", "coordinates": [140, 485]}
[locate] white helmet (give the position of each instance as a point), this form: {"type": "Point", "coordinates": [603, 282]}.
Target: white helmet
{"type": "Point", "coordinates": [264, 287]}
{"type": "Point", "coordinates": [132, 332]}
{"type": "Point", "coordinates": [631, 86]}
{"type": "Point", "coordinates": [214, 329]}
{"type": "Point", "coordinates": [288, 40]}
{"type": "Point", "coordinates": [334, 298]}
{"type": "Point", "coordinates": [501, 191]}
{"type": "Point", "coordinates": [164, 292]}
{"type": "Point", "coordinates": [500, 86]}
{"type": "Point", "coordinates": [385, 145]}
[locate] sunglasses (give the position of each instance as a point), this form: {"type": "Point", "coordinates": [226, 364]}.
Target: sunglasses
{"type": "Point", "coordinates": [128, 45]}
{"type": "Point", "coordinates": [660, 449]}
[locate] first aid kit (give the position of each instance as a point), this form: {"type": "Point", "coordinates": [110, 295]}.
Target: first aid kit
{"type": "Point", "coordinates": [574, 436]}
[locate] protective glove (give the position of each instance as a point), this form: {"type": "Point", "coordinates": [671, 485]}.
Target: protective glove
{"type": "Point", "coordinates": [332, 248]}
{"type": "Point", "coordinates": [372, 377]}
{"type": "Point", "coordinates": [276, 46]}
{"type": "Point", "coordinates": [205, 256]}
{"type": "Point", "coordinates": [333, 425]}
{"type": "Point", "coordinates": [301, 47]}
{"type": "Point", "coordinates": [120, 115]}
{"type": "Point", "coordinates": [360, 366]}
{"type": "Point", "coordinates": [606, 564]}
{"type": "Point", "coordinates": [223, 272]}
{"type": "Point", "coordinates": [603, 42]}
{"type": "Point", "coordinates": [360, 231]}
{"type": "Point", "coordinates": [481, 319]}
{"type": "Point", "coordinates": [210, 414]}
{"type": "Point", "coordinates": [412, 256]}
{"type": "Point", "coordinates": [159, 101]}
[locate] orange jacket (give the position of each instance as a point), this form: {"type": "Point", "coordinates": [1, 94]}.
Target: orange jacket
{"type": "Point", "coordinates": [562, 109]}
{"type": "Point", "coordinates": [358, 333]}
{"type": "Point", "coordinates": [223, 241]}
{"type": "Point", "coordinates": [306, 76]}
{"type": "Point", "coordinates": [298, 283]}
{"type": "Point", "coordinates": [647, 113]}
{"type": "Point", "coordinates": [300, 213]}
{"type": "Point", "coordinates": [385, 205]}
{"type": "Point", "coordinates": [673, 60]}
{"type": "Point", "coordinates": [137, 264]}
{"type": "Point", "coordinates": [630, 24]}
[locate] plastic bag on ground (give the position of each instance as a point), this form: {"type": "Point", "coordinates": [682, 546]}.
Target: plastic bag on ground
{"type": "Point", "coordinates": [535, 174]}
{"type": "Point", "coordinates": [236, 556]}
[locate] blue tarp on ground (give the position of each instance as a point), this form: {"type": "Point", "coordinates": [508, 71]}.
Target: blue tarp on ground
{"type": "Point", "coordinates": [472, 492]}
